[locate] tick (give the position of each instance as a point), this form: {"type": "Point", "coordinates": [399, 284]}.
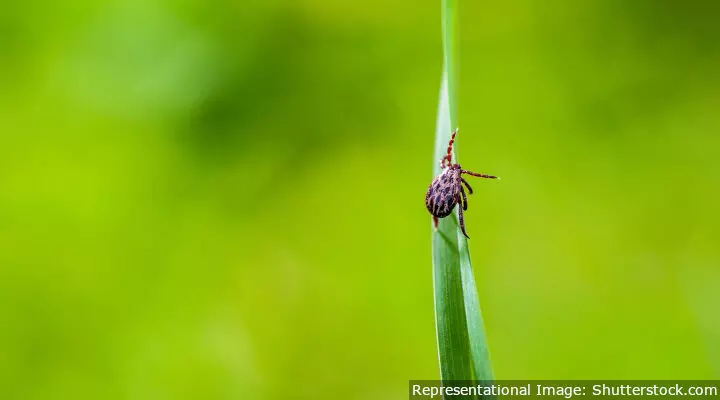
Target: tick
{"type": "Point", "coordinates": [447, 190]}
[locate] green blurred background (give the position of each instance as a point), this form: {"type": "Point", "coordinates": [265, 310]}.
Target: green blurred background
{"type": "Point", "coordinates": [224, 200]}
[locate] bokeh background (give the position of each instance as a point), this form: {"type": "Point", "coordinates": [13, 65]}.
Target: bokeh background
{"type": "Point", "coordinates": [224, 199]}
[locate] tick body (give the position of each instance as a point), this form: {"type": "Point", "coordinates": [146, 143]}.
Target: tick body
{"type": "Point", "coordinates": [448, 189]}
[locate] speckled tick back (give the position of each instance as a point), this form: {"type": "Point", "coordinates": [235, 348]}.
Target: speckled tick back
{"type": "Point", "coordinates": [446, 190]}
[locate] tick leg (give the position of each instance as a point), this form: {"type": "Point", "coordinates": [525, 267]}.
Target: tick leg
{"type": "Point", "coordinates": [462, 222]}
{"type": "Point", "coordinates": [435, 219]}
{"type": "Point", "coordinates": [478, 174]}
{"type": "Point", "coordinates": [466, 184]}
{"type": "Point", "coordinates": [448, 157]}
{"type": "Point", "coordinates": [464, 198]}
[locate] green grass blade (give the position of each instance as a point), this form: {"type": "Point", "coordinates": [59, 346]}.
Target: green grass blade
{"type": "Point", "coordinates": [450, 321]}
{"type": "Point", "coordinates": [462, 344]}
{"type": "Point", "coordinates": [482, 369]}
{"type": "Point", "coordinates": [449, 16]}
